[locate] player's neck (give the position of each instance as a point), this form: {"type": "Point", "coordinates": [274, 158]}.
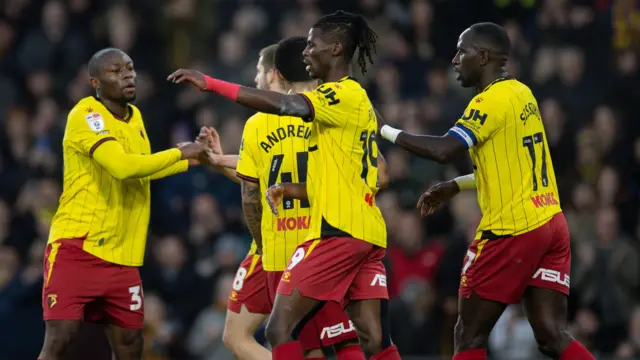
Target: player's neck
{"type": "Point", "coordinates": [116, 107]}
{"type": "Point", "coordinates": [490, 77]}
{"type": "Point", "coordinates": [295, 88]}
{"type": "Point", "coordinates": [336, 73]}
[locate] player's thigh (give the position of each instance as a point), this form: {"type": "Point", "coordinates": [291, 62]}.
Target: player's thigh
{"type": "Point", "coordinates": [58, 335]}
{"type": "Point", "coordinates": [70, 275]}
{"type": "Point", "coordinates": [249, 288]}
{"type": "Point", "coordinates": [366, 316]}
{"type": "Point", "coordinates": [554, 269]}
{"type": "Point", "coordinates": [123, 300]}
{"type": "Point", "coordinates": [370, 281]}
{"type": "Point", "coordinates": [500, 269]}
{"type": "Point", "coordinates": [546, 310]}
{"type": "Point", "coordinates": [289, 315]}
{"type": "Point", "coordinates": [476, 319]}
{"type": "Point", "coordinates": [126, 343]}
{"type": "Point", "coordinates": [329, 327]}
{"type": "Point", "coordinates": [241, 325]}
{"type": "Point", "coordinates": [324, 269]}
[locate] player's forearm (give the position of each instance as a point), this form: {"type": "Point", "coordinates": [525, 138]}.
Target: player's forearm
{"type": "Point", "coordinates": [252, 209]}
{"type": "Point", "coordinates": [295, 191]}
{"type": "Point", "coordinates": [112, 157]}
{"type": "Point", "coordinates": [228, 161]}
{"type": "Point", "coordinates": [269, 102]}
{"type": "Point", "coordinates": [179, 167]}
{"type": "Point", "coordinates": [230, 174]}
{"type": "Point", "coordinates": [440, 149]}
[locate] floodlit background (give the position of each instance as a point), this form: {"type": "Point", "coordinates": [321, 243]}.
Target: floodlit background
{"type": "Point", "coordinates": [579, 57]}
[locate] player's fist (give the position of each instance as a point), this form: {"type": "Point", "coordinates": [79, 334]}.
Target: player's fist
{"type": "Point", "coordinates": [436, 195]}
{"type": "Point", "coordinates": [192, 150]}
{"type": "Point", "coordinates": [275, 194]}
{"type": "Point", "coordinates": [194, 77]}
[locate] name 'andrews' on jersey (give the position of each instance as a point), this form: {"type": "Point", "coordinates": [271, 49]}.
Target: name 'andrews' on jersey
{"type": "Point", "coordinates": [275, 149]}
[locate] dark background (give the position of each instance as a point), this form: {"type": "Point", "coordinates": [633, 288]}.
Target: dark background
{"type": "Point", "coordinates": [579, 57]}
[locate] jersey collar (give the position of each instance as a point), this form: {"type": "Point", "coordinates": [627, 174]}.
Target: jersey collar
{"type": "Point", "coordinates": [504, 77]}
{"type": "Point", "coordinates": [347, 78]}
{"type": "Point", "coordinates": [116, 116]}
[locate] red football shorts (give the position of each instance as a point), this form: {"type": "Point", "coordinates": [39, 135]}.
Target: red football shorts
{"type": "Point", "coordinates": [249, 287]}
{"type": "Point", "coordinates": [502, 269]}
{"type": "Point", "coordinates": [336, 269]}
{"type": "Point", "coordinates": [329, 326]}
{"type": "Point", "coordinates": [80, 286]}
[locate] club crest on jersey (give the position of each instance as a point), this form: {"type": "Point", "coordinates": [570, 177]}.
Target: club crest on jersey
{"type": "Point", "coordinates": [95, 121]}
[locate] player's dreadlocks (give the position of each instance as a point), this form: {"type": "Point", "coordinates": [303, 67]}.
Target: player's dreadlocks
{"type": "Point", "coordinates": [353, 32]}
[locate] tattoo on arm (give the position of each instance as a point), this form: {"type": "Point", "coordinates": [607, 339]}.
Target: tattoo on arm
{"type": "Point", "coordinates": [252, 209]}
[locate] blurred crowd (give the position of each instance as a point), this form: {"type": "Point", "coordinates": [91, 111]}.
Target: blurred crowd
{"type": "Point", "coordinates": [579, 57]}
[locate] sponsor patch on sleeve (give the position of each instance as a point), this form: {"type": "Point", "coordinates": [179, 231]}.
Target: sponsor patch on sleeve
{"type": "Point", "coordinates": [95, 121]}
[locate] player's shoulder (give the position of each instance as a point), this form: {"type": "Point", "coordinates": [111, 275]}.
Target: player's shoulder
{"type": "Point", "coordinates": [346, 85]}
{"type": "Point", "coordinates": [88, 112]}
{"type": "Point", "coordinates": [504, 90]}
{"type": "Point", "coordinates": [256, 120]}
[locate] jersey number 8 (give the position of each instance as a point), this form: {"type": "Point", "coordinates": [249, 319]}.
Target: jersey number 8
{"type": "Point", "coordinates": [276, 163]}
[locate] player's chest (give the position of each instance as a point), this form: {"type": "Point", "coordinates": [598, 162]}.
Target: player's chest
{"type": "Point", "coordinates": [133, 138]}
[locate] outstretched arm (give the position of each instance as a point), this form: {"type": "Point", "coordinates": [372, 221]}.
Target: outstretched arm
{"type": "Point", "coordinates": [440, 149]}
{"type": "Point", "coordinates": [269, 102]}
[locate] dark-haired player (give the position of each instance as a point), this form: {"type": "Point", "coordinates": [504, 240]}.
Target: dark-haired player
{"type": "Point", "coordinates": [521, 251]}
{"type": "Point", "coordinates": [99, 232]}
{"type": "Point", "coordinates": [342, 258]}
{"type": "Point", "coordinates": [275, 148]}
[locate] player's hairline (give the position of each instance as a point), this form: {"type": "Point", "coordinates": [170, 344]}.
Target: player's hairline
{"type": "Point", "coordinates": [268, 55]}
{"type": "Point", "coordinates": [482, 37]}
{"type": "Point", "coordinates": [97, 57]}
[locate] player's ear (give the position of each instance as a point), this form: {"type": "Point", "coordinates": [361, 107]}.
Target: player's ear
{"type": "Point", "coordinates": [271, 76]}
{"type": "Point", "coordinates": [95, 83]}
{"type": "Point", "coordinates": [338, 49]}
{"type": "Point", "coordinates": [278, 75]}
{"type": "Point", "coordinates": [483, 57]}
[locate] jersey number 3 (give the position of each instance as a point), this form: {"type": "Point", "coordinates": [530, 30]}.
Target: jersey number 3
{"type": "Point", "coordinates": [276, 163]}
{"type": "Point", "coordinates": [530, 143]}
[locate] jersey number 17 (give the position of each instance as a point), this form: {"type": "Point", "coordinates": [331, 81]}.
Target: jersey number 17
{"type": "Point", "coordinates": [530, 143]}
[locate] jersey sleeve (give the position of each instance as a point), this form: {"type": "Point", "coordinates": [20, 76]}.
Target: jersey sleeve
{"type": "Point", "coordinates": [246, 168]}
{"type": "Point", "coordinates": [482, 118]}
{"type": "Point", "coordinates": [87, 131]}
{"type": "Point", "coordinates": [329, 104]}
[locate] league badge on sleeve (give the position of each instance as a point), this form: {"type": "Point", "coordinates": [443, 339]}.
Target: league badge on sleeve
{"type": "Point", "coordinates": [95, 121]}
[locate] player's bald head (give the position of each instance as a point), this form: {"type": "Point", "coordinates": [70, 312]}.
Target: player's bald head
{"type": "Point", "coordinates": [491, 37]}
{"type": "Point", "coordinates": [100, 59]}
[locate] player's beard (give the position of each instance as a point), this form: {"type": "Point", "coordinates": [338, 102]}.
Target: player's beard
{"type": "Point", "coordinates": [129, 98]}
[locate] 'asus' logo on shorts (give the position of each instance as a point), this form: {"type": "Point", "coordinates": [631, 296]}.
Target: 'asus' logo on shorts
{"type": "Point", "coordinates": [336, 330]}
{"type": "Point", "coordinates": [380, 280]}
{"type": "Point", "coordinates": [552, 276]}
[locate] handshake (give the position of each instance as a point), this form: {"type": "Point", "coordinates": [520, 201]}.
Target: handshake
{"type": "Point", "coordinates": [206, 150]}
